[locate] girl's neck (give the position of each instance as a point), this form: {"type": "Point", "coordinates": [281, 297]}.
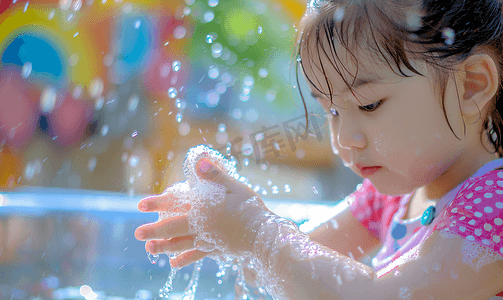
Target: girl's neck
{"type": "Point", "coordinates": [458, 172]}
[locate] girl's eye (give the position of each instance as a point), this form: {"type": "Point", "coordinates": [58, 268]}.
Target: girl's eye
{"type": "Point", "coordinates": [372, 106]}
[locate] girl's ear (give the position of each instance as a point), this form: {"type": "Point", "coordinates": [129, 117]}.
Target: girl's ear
{"type": "Point", "coordinates": [480, 79]}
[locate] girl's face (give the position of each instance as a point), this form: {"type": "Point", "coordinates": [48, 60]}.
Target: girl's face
{"type": "Point", "coordinates": [399, 125]}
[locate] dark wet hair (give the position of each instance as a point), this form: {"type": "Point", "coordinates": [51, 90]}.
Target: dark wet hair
{"type": "Point", "coordinates": [440, 33]}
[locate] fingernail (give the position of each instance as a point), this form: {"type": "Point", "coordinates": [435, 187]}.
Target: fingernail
{"type": "Point", "coordinates": [204, 166]}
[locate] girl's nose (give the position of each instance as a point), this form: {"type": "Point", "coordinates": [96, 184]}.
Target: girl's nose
{"type": "Point", "coordinates": [350, 137]}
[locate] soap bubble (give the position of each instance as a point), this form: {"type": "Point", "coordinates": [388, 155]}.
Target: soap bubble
{"type": "Point", "coordinates": [222, 137]}
{"type": "Point", "coordinates": [237, 113]}
{"type": "Point", "coordinates": [208, 16]}
{"type": "Point", "coordinates": [286, 188]}
{"type": "Point", "coordinates": [212, 98]}
{"type": "Point", "coordinates": [133, 102]}
{"type": "Point", "coordinates": [26, 70]}
{"type": "Point", "coordinates": [212, 3]}
{"type": "Point", "coordinates": [213, 72]}
{"type": "Point", "coordinates": [99, 103]}
{"type": "Point", "coordinates": [172, 92]}
{"type": "Point", "coordinates": [216, 48]}
{"type": "Point", "coordinates": [263, 73]}
{"type": "Point", "coordinates": [134, 161]}
{"type": "Point", "coordinates": [176, 66]}
{"type": "Point", "coordinates": [263, 167]}
{"type": "Point", "coordinates": [178, 103]}
{"type": "Point", "coordinates": [220, 88]}
{"type": "Point", "coordinates": [259, 30]}
{"type": "Point", "coordinates": [270, 95]}
{"type": "Point", "coordinates": [247, 149]}
{"type": "Point", "coordinates": [179, 32]}
{"type": "Point", "coordinates": [184, 129]}
{"type": "Point", "coordinates": [259, 136]}
{"type": "Point", "coordinates": [269, 182]}
{"type": "Point", "coordinates": [405, 294]}
{"type": "Point", "coordinates": [179, 117]}
{"type": "Point", "coordinates": [246, 161]}
{"type": "Point", "coordinates": [252, 115]}
{"type": "Point", "coordinates": [248, 81]}
{"type": "Point", "coordinates": [315, 191]}
{"type": "Point", "coordinates": [221, 127]}
{"type": "Point", "coordinates": [137, 24]}
{"type": "Point", "coordinates": [64, 5]}
{"type": "Point", "coordinates": [187, 11]}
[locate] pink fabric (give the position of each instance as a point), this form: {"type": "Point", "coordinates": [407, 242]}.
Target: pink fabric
{"type": "Point", "coordinates": [476, 213]}
{"type": "Point", "coordinates": [372, 209]}
{"type": "Point", "coordinates": [472, 210]}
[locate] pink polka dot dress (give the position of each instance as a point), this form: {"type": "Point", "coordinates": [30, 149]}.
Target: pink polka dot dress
{"type": "Point", "coordinates": [473, 210]}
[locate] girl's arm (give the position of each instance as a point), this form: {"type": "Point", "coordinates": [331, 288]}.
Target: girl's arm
{"type": "Point", "coordinates": [345, 234]}
{"type": "Point", "coordinates": [295, 267]}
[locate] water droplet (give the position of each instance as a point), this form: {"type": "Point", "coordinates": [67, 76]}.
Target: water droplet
{"type": "Point", "coordinates": [221, 127]}
{"type": "Point", "coordinates": [137, 24]}
{"type": "Point", "coordinates": [134, 161]}
{"type": "Point", "coordinates": [209, 38]}
{"type": "Point", "coordinates": [259, 30]}
{"type": "Point", "coordinates": [246, 162]}
{"type": "Point", "coordinates": [339, 14]}
{"type": "Point", "coordinates": [26, 70]}
{"type": "Point", "coordinates": [298, 58]}
{"type": "Point", "coordinates": [286, 188]}
{"type": "Point", "coordinates": [256, 188]}
{"type": "Point", "coordinates": [315, 191]}
{"type": "Point", "coordinates": [263, 167]}
{"type": "Point", "coordinates": [212, 3]}
{"type": "Point", "coordinates": [404, 293]}
{"type": "Point", "coordinates": [448, 34]}
{"type": "Point", "coordinates": [51, 14]}
{"type": "Point", "coordinates": [176, 66]}
{"type": "Point", "coordinates": [172, 92]}
{"type": "Point", "coordinates": [91, 164]}
{"type": "Point", "coordinates": [264, 192]}
{"type": "Point", "coordinates": [48, 100]}
{"type": "Point", "coordinates": [153, 258]}
{"type": "Point", "coordinates": [228, 148]}
{"type": "Point", "coordinates": [104, 130]}
{"type": "Point", "coordinates": [275, 190]}
{"type": "Point", "coordinates": [213, 72]}
{"type": "Point", "coordinates": [133, 103]}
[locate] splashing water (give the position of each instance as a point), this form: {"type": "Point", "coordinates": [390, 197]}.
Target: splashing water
{"type": "Point", "coordinates": [152, 258]}
{"type": "Point", "coordinates": [176, 66]}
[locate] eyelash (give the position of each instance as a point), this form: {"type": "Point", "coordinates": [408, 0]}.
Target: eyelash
{"type": "Point", "coordinates": [365, 108]}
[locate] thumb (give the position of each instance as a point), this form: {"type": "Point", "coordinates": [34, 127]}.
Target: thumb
{"type": "Point", "coordinates": [207, 170]}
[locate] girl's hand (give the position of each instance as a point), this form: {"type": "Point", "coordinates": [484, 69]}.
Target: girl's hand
{"type": "Point", "coordinates": [217, 216]}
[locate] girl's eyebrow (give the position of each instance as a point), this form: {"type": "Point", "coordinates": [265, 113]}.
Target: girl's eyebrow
{"type": "Point", "coordinates": [358, 83]}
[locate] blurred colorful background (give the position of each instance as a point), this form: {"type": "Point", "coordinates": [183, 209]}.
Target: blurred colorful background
{"type": "Point", "coordinates": [107, 96]}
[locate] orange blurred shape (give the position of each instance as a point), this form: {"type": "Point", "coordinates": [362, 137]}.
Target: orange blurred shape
{"type": "Point", "coordinates": [10, 169]}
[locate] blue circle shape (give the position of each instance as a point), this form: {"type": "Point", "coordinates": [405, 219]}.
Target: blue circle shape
{"type": "Point", "coordinates": [399, 231]}
{"type": "Point", "coordinates": [428, 216]}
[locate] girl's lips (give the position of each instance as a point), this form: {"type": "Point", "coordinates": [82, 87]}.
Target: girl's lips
{"type": "Point", "coordinates": [368, 171]}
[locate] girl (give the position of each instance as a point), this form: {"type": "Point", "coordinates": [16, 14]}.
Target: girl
{"type": "Point", "coordinates": [411, 90]}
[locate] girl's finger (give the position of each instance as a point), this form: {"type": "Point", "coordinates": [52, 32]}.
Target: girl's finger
{"type": "Point", "coordinates": [187, 258]}
{"type": "Point", "coordinates": [176, 244]}
{"type": "Point", "coordinates": [166, 202]}
{"type": "Point", "coordinates": [164, 229]}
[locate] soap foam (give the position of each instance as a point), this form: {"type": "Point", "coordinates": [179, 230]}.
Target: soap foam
{"type": "Point", "coordinates": [202, 195]}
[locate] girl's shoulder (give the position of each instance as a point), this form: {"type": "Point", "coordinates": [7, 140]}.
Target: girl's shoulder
{"type": "Point", "coordinates": [476, 211]}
